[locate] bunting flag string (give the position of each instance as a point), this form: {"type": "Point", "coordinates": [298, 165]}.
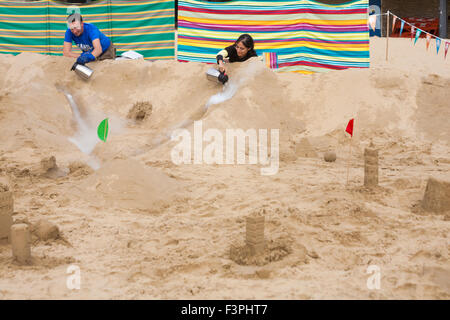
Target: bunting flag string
{"type": "Point", "coordinates": [378, 14]}
{"type": "Point", "coordinates": [372, 22]}
{"type": "Point", "coordinates": [416, 32]}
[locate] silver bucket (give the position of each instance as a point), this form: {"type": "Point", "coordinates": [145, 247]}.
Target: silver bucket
{"type": "Point", "coordinates": [83, 71]}
{"type": "Point", "coordinates": [215, 75]}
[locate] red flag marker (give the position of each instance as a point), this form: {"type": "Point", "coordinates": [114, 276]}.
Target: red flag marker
{"type": "Point", "coordinates": [350, 127]}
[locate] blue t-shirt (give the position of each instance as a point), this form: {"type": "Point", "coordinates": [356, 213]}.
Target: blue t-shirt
{"type": "Point", "coordinates": [84, 41]}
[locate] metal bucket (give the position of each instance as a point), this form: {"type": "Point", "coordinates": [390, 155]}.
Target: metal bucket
{"type": "Point", "coordinates": [83, 71]}
{"type": "Point", "coordinates": [215, 75]}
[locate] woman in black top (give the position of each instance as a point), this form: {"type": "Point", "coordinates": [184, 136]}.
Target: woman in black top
{"type": "Point", "coordinates": [241, 50]}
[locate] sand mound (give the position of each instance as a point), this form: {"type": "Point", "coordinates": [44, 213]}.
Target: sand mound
{"type": "Point", "coordinates": [129, 185]}
{"type": "Point", "coordinates": [275, 250]}
{"type": "Point", "coordinates": [311, 110]}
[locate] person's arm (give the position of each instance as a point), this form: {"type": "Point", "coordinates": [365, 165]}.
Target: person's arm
{"type": "Point", "coordinates": [67, 48]}
{"type": "Point", "coordinates": [220, 56]}
{"type": "Point", "coordinates": [89, 56]}
{"type": "Point", "coordinates": [94, 35]}
{"type": "Point", "coordinates": [98, 50]}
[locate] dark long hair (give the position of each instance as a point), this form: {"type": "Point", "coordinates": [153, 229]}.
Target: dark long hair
{"type": "Point", "coordinates": [248, 42]}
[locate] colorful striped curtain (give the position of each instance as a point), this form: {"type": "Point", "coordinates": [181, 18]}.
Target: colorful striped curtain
{"type": "Point", "coordinates": [147, 27]}
{"type": "Point", "coordinates": [306, 36]}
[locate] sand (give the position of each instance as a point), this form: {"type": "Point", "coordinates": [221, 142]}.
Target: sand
{"type": "Point", "coordinates": [139, 226]}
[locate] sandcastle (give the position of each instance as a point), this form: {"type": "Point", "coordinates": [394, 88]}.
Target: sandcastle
{"type": "Point", "coordinates": [329, 156]}
{"type": "Point", "coordinates": [256, 249]}
{"type": "Point", "coordinates": [20, 242]}
{"type": "Point", "coordinates": [48, 163]}
{"type": "Point", "coordinates": [370, 168]}
{"type": "Point", "coordinates": [437, 196]}
{"type": "Point", "coordinates": [255, 233]}
{"type": "Point", "coordinates": [6, 211]}
{"type": "Point", "coordinates": [45, 230]}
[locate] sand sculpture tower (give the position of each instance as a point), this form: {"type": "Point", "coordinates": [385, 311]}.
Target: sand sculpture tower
{"type": "Point", "coordinates": [20, 242]}
{"type": "Point", "coordinates": [6, 211]}
{"type": "Point", "coordinates": [370, 167]}
{"type": "Point", "coordinates": [437, 195]}
{"type": "Point", "coordinates": [255, 233]}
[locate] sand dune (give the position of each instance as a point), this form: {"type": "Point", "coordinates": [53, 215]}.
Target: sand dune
{"type": "Point", "coordinates": [141, 227]}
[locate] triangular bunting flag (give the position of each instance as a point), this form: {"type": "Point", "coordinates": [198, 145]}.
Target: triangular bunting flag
{"type": "Point", "coordinates": [438, 45]}
{"type": "Point", "coordinates": [417, 35]}
{"type": "Point", "coordinates": [401, 27]}
{"type": "Point", "coordinates": [446, 48]}
{"type": "Point", "coordinates": [412, 31]}
{"type": "Point", "coordinates": [393, 23]}
{"type": "Point", "coordinates": [428, 40]}
{"type": "Point", "coordinates": [373, 21]}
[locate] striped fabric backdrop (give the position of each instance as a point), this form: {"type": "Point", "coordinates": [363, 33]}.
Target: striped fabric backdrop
{"type": "Point", "coordinates": [147, 27]}
{"type": "Point", "coordinates": [271, 60]}
{"type": "Point", "coordinates": [306, 35]}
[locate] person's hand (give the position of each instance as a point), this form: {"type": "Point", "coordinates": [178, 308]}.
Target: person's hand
{"type": "Point", "coordinates": [221, 66]}
{"type": "Point", "coordinates": [85, 57]}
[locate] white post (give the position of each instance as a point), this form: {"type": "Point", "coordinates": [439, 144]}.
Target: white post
{"type": "Point", "coordinates": [387, 35]}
